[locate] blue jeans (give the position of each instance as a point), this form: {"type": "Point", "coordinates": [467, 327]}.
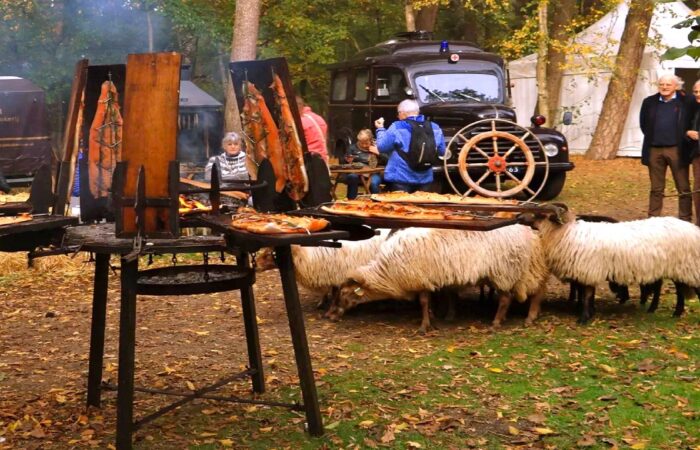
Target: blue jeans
{"type": "Point", "coordinates": [353, 182]}
{"type": "Point", "coordinates": [405, 187]}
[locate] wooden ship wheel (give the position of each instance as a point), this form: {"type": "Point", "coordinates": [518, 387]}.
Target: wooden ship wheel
{"type": "Point", "coordinates": [497, 162]}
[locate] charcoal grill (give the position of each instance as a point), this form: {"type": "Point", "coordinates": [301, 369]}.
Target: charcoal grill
{"type": "Point", "coordinates": [41, 231]}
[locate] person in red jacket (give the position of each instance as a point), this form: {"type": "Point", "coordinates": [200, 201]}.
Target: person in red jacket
{"type": "Point", "coordinates": [315, 130]}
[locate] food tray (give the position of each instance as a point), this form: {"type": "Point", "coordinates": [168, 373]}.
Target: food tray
{"type": "Point", "coordinates": [341, 221]}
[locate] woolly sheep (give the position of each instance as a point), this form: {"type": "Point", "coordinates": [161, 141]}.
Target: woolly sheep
{"type": "Point", "coordinates": [324, 269]}
{"type": "Point", "coordinates": [640, 251]}
{"type": "Point", "coordinates": [420, 260]}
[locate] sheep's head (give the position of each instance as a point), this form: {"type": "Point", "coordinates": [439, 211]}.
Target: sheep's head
{"type": "Point", "coordinates": [351, 294]}
{"type": "Point", "coordinates": [265, 260]}
{"type": "Point", "coordinates": [557, 213]}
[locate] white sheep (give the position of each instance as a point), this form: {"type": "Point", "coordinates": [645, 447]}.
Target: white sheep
{"type": "Point", "coordinates": [417, 261]}
{"type": "Point", "coordinates": [324, 269]}
{"type": "Point", "coordinates": [626, 253]}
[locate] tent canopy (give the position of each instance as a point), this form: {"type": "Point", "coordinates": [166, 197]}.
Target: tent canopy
{"type": "Point", "coordinates": [589, 67]}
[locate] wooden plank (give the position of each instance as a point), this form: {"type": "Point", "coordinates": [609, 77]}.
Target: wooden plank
{"type": "Point", "coordinates": [150, 135]}
{"type": "Point", "coordinates": [68, 154]}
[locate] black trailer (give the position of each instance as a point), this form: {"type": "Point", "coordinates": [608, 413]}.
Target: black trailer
{"type": "Point", "coordinates": [24, 130]}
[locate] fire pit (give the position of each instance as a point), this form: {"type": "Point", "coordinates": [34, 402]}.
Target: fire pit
{"type": "Point", "coordinates": [193, 280]}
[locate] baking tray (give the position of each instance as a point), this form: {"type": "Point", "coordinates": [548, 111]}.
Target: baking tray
{"type": "Point", "coordinates": [340, 221]}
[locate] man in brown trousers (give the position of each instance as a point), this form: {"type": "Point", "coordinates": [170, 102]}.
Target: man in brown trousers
{"type": "Point", "coordinates": [662, 119]}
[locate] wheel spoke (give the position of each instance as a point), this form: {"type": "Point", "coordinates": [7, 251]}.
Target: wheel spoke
{"type": "Point", "coordinates": [483, 177]}
{"type": "Point", "coordinates": [461, 136]}
{"type": "Point", "coordinates": [529, 190]}
{"type": "Point", "coordinates": [452, 165]}
{"type": "Point", "coordinates": [518, 164]}
{"type": "Point", "coordinates": [483, 153]}
{"type": "Point", "coordinates": [498, 182]}
{"type": "Point", "coordinates": [466, 194]}
{"type": "Point", "coordinates": [513, 177]}
{"type": "Point", "coordinates": [541, 163]}
{"type": "Point", "coordinates": [478, 164]}
{"type": "Point", "coordinates": [510, 150]}
{"type": "Point", "coordinates": [495, 145]}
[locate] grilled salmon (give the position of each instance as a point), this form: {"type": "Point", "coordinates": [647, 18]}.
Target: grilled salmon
{"type": "Point", "coordinates": [253, 131]}
{"type": "Point", "coordinates": [291, 145]}
{"type": "Point", "coordinates": [272, 139]}
{"type": "Point", "coordinates": [105, 142]}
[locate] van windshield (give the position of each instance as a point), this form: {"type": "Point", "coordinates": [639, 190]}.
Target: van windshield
{"type": "Point", "coordinates": [458, 87]}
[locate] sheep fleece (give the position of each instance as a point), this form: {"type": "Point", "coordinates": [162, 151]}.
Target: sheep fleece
{"type": "Point", "coordinates": [639, 251]}
{"type": "Point", "coordinates": [320, 268]}
{"type": "Point", "coordinates": [422, 259]}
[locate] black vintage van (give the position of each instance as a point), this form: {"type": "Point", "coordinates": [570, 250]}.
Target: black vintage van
{"type": "Point", "coordinates": [464, 90]}
{"type": "Point", "coordinates": [24, 131]}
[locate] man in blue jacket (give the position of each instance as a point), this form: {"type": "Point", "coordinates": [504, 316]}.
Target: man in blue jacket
{"type": "Point", "coordinates": [398, 176]}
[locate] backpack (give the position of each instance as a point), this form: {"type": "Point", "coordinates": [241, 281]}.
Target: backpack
{"type": "Point", "coordinates": [422, 151]}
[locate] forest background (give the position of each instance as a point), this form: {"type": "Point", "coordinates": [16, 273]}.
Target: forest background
{"type": "Point", "coordinates": [42, 39]}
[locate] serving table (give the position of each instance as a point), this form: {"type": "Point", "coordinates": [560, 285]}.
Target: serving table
{"type": "Point", "coordinates": [364, 173]}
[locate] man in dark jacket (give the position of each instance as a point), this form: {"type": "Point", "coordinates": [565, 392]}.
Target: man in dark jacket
{"type": "Point", "coordinates": [662, 119]}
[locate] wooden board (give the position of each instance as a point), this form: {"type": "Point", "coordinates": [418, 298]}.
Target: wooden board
{"type": "Point", "coordinates": [151, 99]}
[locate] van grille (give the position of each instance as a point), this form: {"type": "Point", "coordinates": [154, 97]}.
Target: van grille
{"type": "Point", "coordinates": [503, 144]}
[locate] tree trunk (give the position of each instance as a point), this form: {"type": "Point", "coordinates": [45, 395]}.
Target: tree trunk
{"type": "Point", "coordinates": [410, 16]}
{"type": "Point", "coordinates": [542, 39]}
{"type": "Point", "coordinates": [613, 116]}
{"type": "Point", "coordinates": [243, 47]}
{"type": "Point", "coordinates": [565, 11]}
{"type": "Point", "coordinates": [426, 18]}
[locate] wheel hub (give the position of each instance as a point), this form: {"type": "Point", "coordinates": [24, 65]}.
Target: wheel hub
{"type": "Point", "coordinates": [497, 164]}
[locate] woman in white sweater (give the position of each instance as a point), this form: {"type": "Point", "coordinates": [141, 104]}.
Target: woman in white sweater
{"type": "Point", "coordinates": [231, 162]}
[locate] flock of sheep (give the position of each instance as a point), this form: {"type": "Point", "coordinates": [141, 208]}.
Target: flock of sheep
{"type": "Point", "coordinates": [516, 261]}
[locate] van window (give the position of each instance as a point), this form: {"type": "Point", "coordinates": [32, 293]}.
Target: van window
{"type": "Point", "coordinates": [339, 89]}
{"type": "Point", "coordinates": [389, 85]}
{"type": "Point", "coordinates": [361, 83]}
{"type": "Point", "coordinates": [458, 87]}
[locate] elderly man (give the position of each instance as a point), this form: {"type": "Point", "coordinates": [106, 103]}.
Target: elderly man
{"type": "Point", "coordinates": [400, 141]}
{"type": "Point", "coordinates": [662, 119]}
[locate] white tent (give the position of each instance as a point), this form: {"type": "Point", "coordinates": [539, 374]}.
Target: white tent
{"type": "Point", "coordinates": [588, 71]}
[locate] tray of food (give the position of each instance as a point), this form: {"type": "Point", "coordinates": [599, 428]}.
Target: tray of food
{"type": "Point", "coordinates": [402, 215]}
{"type": "Point", "coordinates": [350, 166]}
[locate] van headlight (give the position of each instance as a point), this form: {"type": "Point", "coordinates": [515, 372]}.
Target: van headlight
{"type": "Point", "coordinates": [551, 149]}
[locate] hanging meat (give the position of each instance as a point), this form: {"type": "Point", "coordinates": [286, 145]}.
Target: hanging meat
{"type": "Point", "coordinates": [291, 144]}
{"type": "Point", "coordinates": [253, 131]}
{"type": "Point", "coordinates": [104, 149]}
{"type": "Point", "coordinates": [271, 137]}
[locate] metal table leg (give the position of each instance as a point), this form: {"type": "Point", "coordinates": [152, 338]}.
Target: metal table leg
{"type": "Point", "coordinates": [127, 343]}
{"type": "Point", "coordinates": [301, 346]}
{"type": "Point", "coordinates": [251, 330]}
{"type": "Point", "coordinates": [97, 330]}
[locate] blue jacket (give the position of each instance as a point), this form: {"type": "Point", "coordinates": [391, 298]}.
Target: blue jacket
{"type": "Point", "coordinates": [397, 138]}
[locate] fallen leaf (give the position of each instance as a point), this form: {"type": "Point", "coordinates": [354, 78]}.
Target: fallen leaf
{"type": "Point", "coordinates": [495, 370]}
{"type": "Point", "coordinates": [543, 431]}
{"type": "Point", "coordinates": [265, 429]}
{"type": "Point", "coordinates": [332, 426]}
{"type": "Point", "coordinates": [388, 436]}
{"type": "Point", "coordinates": [586, 441]}
{"type": "Point", "coordinates": [607, 369]}
{"type": "Point", "coordinates": [412, 444]}
{"type": "Point", "coordinates": [512, 430]}
{"type": "Point", "coordinates": [366, 423]}
{"type": "Point", "coordinates": [226, 442]}
{"type": "Point", "coordinates": [190, 386]}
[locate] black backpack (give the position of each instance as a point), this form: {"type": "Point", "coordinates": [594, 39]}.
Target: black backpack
{"type": "Point", "coordinates": [422, 152]}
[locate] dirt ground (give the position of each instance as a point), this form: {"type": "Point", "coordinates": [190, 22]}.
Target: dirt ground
{"type": "Point", "coordinates": [187, 342]}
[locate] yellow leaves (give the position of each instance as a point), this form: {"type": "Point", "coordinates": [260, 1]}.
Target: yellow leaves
{"type": "Point", "coordinates": [60, 398]}
{"type": "Point", "coordinates": [607, 369]}
{"type": "Point", "coordinates": [495, 370]}
{"type": "Point", "coordinates": [366, 423]}
{"type": "Point", "coordinates": [343, 356]}
{"type": "Point", "coordinates": [332, 426]}
{"type": "Point", "coordinates": [190, 385]}
{"type": "Point", "coordinates": [412, 444]}
{"type": "Point", "coordinates": [512, 430]}
{"type": "Point", "coordinates": [226, 442]}
{"type": "Point", "coordinates": [265, 429]}
{"type": "Point", "coordinates": [542, 431]}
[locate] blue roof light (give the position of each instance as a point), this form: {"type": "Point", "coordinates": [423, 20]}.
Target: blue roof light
{"type": "Point", "coordinates": [444, 47]}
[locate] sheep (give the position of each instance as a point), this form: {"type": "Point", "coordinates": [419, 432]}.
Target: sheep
{"type": "Point", "coordinates": [324, 269]}
{"type": "Point", "coordinates": [641, 251]}
{"type": "Point", "coordinates": [420, 260]}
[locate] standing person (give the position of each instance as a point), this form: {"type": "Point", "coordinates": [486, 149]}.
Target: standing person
{"type": "Point", "coordinates": [363, 151]}
{"type": "Point", "coordinates": [692, 150]}
{"type": "Point", "coordinates": [663, 121]}
{"type": "Point", "coordinates": [315, 130]}
{"type": "Point", "coordinates": [405, 140]}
